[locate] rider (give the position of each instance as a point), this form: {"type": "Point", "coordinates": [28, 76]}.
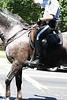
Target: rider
{"type": "Point", "coordinates": [51, 16]}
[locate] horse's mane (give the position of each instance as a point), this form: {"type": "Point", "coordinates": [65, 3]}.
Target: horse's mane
{"type": "Point", "coordinates": [14, 16]}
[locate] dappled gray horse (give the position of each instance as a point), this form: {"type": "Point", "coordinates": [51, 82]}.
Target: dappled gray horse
{"type": "Point", "coordinates": [18, 49]}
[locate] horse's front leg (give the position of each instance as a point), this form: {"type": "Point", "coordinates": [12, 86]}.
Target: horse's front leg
{"type": "Point", "coordinates": [18, 78]}
{"type": "Point", "coordinates": [14, 70]}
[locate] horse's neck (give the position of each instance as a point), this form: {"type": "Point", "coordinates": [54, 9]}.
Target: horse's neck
{"type": "Point", "coordinates": [17, 32]}
{"type": "Point", "coordinates": [9, 24]}
{"type": "Point", "coordinates": [14, 31]}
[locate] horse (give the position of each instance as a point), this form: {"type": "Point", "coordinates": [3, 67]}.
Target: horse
{"type": "Point", "coordinates": [18, 49]}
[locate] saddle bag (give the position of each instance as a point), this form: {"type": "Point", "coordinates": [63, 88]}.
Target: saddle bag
{"type": "Point", "coordinates": [53, 39]}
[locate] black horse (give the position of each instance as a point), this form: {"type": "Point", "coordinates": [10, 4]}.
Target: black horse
{"type": "Point", "coordinates": [18, 49]}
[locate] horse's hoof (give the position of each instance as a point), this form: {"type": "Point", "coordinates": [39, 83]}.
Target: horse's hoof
{"type": "Point", "coordinates": [7, 98]}
{"type": "Point", "coordinates": [19, 95]}
{"type": "Point", "coordinates": [18, 99]}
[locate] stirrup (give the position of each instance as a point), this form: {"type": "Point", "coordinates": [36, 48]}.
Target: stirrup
{"type": "Point", "coordinates": [33, 64]}
{"type": "Point", "coordinates": [27, 63]}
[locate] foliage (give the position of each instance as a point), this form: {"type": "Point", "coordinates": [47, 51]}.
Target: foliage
{"type": "Point", "coordinates": [1, 48]}
{"type": "Point", "coordinates": [25, 9]}
{"type": "Point", "coordinates": [31, 12]}
{"type": "Point", "coordinates": [63, 15]}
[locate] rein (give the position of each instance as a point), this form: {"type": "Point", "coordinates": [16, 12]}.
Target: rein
{"type": "Point", "coordinates": [29, 28]}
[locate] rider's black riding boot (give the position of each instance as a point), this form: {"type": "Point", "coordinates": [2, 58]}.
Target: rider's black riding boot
{"type": "Point", "coordinates": [38, 51]}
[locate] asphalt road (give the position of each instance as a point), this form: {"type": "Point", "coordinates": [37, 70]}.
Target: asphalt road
{"type": "Point", "coordinates": [37, 85]}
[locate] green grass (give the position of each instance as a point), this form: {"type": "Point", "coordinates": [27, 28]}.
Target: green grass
{"type": "Point", "coordinates": [1, 48]}
{"type": "Point", "coordinates": [8, 62]}
{"type": "Point", "coordinates": [2, 56]}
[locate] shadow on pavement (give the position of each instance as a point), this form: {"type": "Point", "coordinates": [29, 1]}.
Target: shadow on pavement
{"type": "Point", "coordinates": [43, 98]}
{"type": "Point", "coordinates": [64, 71]}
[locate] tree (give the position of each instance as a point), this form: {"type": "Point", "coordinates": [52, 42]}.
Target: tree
{"type": "Point", "coordinates": [63, 15]}
{"type": "Point", "coordinates": [26, 9]}
{"type": "Point", "coordinates": [31, 12]}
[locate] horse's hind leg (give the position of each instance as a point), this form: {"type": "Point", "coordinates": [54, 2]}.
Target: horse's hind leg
{"type": "Point", "coordinates": [18, 78]}
{"type": "Point", "coordinates": [14, 70]}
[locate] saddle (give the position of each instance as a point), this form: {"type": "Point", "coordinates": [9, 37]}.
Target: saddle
{"type": "Point", "coordinates": [31, 38]}
{"type": "Point", "coordinates": [54, 39]}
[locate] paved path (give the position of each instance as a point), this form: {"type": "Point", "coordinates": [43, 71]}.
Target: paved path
{"type": "Point", "coordinates": [37, 85]}
{"type": "Point", "coordinates": [3, 59]}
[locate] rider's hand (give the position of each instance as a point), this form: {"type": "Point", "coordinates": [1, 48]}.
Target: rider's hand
{"type": "Point", "coordinates": [39, 22]}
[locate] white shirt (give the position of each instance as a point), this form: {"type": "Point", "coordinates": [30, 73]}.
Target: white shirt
{"type": "Point", "coordinates": [51, 7]}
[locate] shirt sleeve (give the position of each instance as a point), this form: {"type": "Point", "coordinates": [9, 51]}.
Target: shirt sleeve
{"type": "Point", "coordinates": [43, 3]}
{"type": "Point", "coordinates": [53, 8]}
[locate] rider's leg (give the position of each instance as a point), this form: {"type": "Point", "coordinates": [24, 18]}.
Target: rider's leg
{"type": "Point", "coordinates": [38, 47]}
{"type": "Point", "coordinates": [38, 51]}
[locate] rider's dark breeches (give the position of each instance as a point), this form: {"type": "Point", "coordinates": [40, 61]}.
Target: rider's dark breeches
{"type": "Point", "coordinates": [42, 33]}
